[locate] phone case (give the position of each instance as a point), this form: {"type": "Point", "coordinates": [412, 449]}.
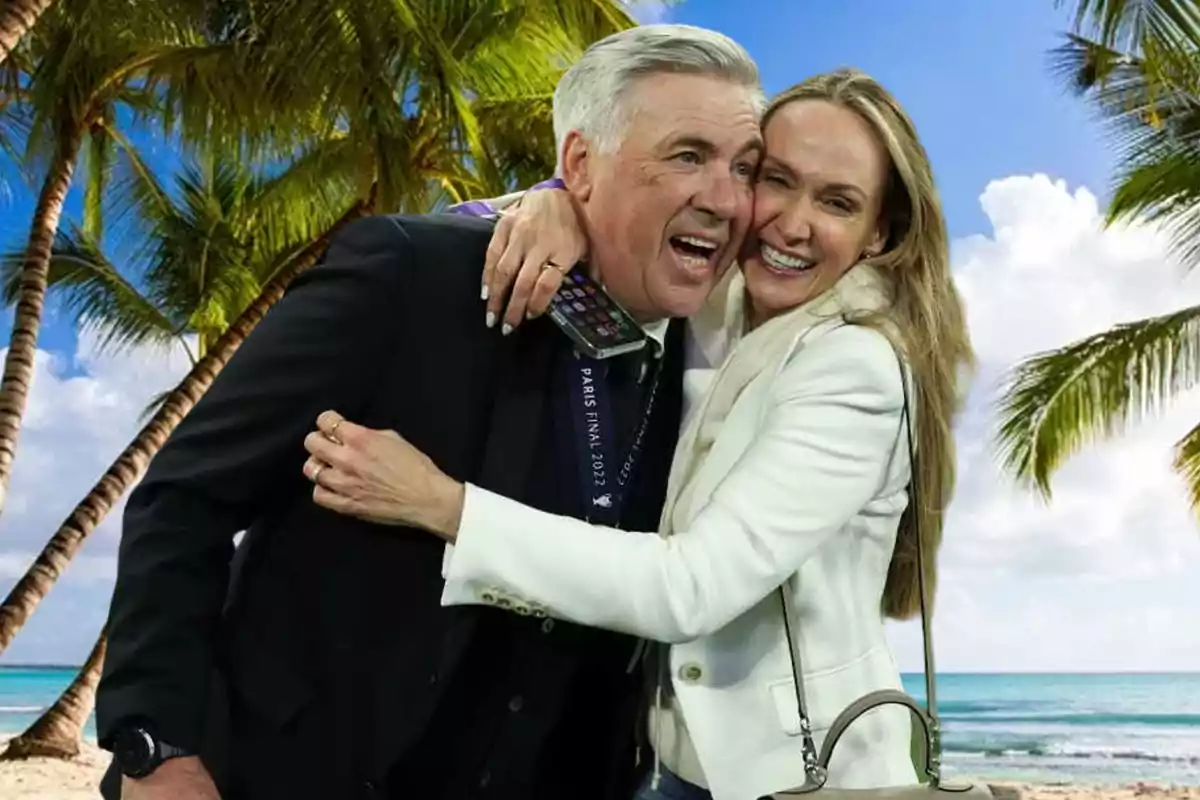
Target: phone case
{"type": "Point", "coordinates": [599, 327]}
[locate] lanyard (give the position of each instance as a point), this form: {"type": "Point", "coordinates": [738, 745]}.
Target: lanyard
{"type": "Point", "coordinates": [603, 481]}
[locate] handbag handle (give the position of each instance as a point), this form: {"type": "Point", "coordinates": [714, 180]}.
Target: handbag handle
{"type": "Point", "coordinates": [816, 766]}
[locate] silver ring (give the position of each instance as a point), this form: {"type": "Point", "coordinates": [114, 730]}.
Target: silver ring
{"type": "Point", "coordinates": [317, 473]}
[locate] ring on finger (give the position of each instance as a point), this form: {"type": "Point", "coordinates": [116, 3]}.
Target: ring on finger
{"type": "Point", "coordinates": [316, 476]}
{"type": "Point", "coordinates": [332, 435]}
{"type": "Point", "coordinates": [555, 267]}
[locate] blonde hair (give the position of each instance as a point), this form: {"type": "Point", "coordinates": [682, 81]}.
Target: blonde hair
{"type": "Point", "coordinates": [926, 315]}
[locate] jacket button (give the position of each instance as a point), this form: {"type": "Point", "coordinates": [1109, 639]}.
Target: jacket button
{"type": "Point", "coordinates": [487, 597]}
{"type": "Point", "coordinates": [691, 672]}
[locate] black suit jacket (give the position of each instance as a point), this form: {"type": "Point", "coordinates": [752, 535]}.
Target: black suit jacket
{"type": "Point", "coordinates": [331, 636]}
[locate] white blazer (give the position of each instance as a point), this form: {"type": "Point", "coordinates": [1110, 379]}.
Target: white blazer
{"type": "Point", "coordinates": [806, 482]}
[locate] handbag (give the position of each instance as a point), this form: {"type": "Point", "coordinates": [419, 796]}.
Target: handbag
{"type": "Point", "coordinates": [816, 765]}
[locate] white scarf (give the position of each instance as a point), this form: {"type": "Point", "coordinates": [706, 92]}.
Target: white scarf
{"type": "Point", "coordinates": [861, 289]}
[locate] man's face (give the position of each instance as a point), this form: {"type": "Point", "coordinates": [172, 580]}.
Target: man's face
{"type": "Point", "coordinates": [666, 212]}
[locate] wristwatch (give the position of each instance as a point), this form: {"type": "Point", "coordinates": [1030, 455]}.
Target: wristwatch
{"type": "Point", "coordinates": [138, 752]}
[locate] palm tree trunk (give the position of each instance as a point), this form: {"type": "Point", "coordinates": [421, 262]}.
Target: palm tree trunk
{"type": "Point", "coordinates": [58, 732]}
{"type": "Point", "coordinates": [16, 19]}
{"type": "Point", "coordinates": [22, 345]}
{"type": "Point", "coordinates": [128, 468]}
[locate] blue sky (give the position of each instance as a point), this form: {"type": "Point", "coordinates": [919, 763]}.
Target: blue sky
{"type": "Point", "coordinates": [973, 76]}
{"type": "Point", "coordinates": [1023, 170]}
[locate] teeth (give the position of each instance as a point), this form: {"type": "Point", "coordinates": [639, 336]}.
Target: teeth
{"type": "Point", "coordinates": [780, 260]}
{"type": "Point", "coordinates": [695, 242]}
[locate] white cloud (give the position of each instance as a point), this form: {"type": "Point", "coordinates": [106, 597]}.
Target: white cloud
{"type": "Point", "coordinates": [1069, 584]}
{"type": "Point", "coordinates": [1102, 578]}
{"type": "Point", "coordinates": [83, 410]}
{"type": "Point", "coordinates": [649, 11]}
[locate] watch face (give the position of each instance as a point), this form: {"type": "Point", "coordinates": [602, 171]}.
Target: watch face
{"type": "Point", "coordinates": [135, 752]}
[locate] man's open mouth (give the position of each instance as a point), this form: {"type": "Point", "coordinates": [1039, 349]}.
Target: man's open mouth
{"type": "Point", "coordinates": [694, 250]}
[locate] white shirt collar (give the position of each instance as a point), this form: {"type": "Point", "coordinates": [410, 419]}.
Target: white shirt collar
{"type": "Point", "coordinates": [657, 331]}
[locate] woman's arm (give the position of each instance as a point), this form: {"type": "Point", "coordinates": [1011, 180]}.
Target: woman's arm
{"type": "Point", "coordinates": [537, 227]}
{"type": "Point", "coordinates": [821, 454]}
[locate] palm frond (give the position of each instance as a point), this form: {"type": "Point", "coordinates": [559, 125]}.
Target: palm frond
{"type": "Point", "coordinates": [99, 161]}
{"type": "Point", "coordinates": [1126, 24]}
{"type": "Point", "coordinates": [307, 195]}
{"type": "Point", "coordinates": [199, 266]}
{"type": "Point", "coordinates": [14, 129]}
{"type": "Point", "coordinates": [1187, 464]}
{"type": "Point", "coordinates": [94, 292]}
{"type": "Point", "coordinates": [213, 94]}
{"type": "Point", "coordinates": [1057, 402]}
{"type": "Point", "coordinates": [1163, 186]}
{"type": "Point", "coordinates": [520, 142]}
{"type": "Point", "coordinates": [1152, 104]}
{"type": "Point", "coordinates": [136, 205]}
{"type": "Point", "coordinates": [1134, 92]}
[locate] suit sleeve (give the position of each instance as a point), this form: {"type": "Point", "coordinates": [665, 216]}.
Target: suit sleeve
{"type": "Point", "coordinates": [819, 456]}
{"type": "Point", "coordinates": [234, 457]}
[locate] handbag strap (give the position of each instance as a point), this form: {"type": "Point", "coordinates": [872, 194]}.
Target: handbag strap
{"type": "Point", "coordinates": [814, 771]}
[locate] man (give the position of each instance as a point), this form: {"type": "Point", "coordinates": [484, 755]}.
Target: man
{"type": "Point", "coordinates": [345, 676]}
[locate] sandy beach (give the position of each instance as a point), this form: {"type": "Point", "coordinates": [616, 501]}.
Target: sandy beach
{"type": "Point", "coordinates": [1148, 791]}
{"type": "Point", "coordinates": [46, 779]}
{"type": "Point", "coordinates": [43, 779]}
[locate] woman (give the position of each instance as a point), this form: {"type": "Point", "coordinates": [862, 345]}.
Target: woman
{"type": "Point", "coordinates": [792, 469]}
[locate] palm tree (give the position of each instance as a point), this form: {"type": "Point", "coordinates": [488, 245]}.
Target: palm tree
{"type": "Point", "coordinates": [56, 733]}
{"type": "Point", "coordinates": [1143, 72]}
{"type": "Point", "coordinates": [413, 85]}
{"type": "Point", "coordinates": [91, 63]}
{"type": "Point", "coordinates": [254, 235]}
{"type": "Point", "coordinates": [13, 116]}
{"type": "Point", "coordinates": [17, 18]}
{"type": "Point", "coordinates": [448, 124]}
{"type": "Point", "coordinates": [208, 260]}
{"type": "Point", "coordinates": [363, 154]}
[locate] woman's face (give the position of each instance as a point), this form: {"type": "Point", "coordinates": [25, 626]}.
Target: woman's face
{"type": "Point", "coordinates": [817, 205]}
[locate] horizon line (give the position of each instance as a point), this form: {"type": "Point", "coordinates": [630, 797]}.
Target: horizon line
{"type": "Point", "coordinates": [903, 673]}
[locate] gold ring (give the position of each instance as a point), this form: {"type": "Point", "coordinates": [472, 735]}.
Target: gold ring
{"type": "Point", "coordinates": [317, 473]}
{"type": "Point", "coordinates": [556, 267]}
{"type": "Point", "coordinates": [333, 431]}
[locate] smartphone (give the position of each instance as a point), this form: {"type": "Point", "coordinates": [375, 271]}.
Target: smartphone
{"type": "Point", "coordinates": [599, 327]}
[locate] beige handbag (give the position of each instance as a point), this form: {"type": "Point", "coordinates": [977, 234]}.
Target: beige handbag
{"type": "Point", "coordinates": [816, 766]}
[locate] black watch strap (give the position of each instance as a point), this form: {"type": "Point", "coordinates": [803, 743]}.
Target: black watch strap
{"type": "Point", "coordinates": [171, 751]}
{"type": "Point", "coordinates": [139, 752]}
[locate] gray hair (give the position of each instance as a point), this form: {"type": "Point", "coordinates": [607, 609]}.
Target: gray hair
{"type": "Point", "coordinates": [590, 96]}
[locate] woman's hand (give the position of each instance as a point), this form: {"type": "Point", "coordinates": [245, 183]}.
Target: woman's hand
{"type": "Point", "coordinates": [379, 477]}
{"type": "Point", "coordinates": [534, 245]}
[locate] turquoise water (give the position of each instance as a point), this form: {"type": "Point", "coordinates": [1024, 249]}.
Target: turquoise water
{"type": "Point", "coordinates": [1085, 728]}
{"type": "Point", "coordinates": [26, 691]}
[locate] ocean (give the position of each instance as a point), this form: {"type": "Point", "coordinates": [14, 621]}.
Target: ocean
{"type": "Point", "coordinates": [1069, 728]}
{"type": "Point", "coordinates": [1073, 728]}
